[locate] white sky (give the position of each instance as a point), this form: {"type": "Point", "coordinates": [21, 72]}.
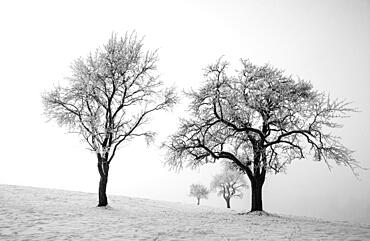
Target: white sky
{"type": "Point", "coordinates": [326, 42]}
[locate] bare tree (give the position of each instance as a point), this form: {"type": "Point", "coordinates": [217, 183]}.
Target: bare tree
{"type": "Point", "coordinates": [109, 99]}
{"type": "Point", "coordinates": [198, 191]}
{"type": "Point", "coordinates": [260, 120]}
{"type": "Point", "coordinates": [229, 184]}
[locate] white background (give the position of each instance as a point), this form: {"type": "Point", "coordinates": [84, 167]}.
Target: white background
{"type": "Point", "coordinates": [326, 42]}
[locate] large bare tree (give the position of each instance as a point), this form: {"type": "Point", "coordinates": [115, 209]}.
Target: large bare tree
{"type": "Point", "coordinates": [229, 184]}
{"type": "Point", "coordinates": [109, 99]}
{"type": "Point", "coordinates": [260, 120]}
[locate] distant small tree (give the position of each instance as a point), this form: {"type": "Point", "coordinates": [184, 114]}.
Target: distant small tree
{"type": "Point", "coordinates": [109, 99]}
{"type": "Point", "coordinates": [229, 184]}
{"type": "Point", "coordinates": [198, 191]}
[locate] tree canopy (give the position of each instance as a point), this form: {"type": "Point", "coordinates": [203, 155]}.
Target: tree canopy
{"type": "Point", "coordinates": [110, 95]}
{"type": "Point", "coordinates": [228, 184]}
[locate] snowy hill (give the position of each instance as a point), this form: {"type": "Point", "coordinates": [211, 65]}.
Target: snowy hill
{"type": "Point", "coordinates": [28, 213]}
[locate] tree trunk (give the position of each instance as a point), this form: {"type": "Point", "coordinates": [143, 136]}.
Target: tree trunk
{"type": "Point", "coordinates": [256, 195]}
{"type": "Point", "coordinates": [198, 201]}
{"type": "Point", "coordinates": [227, 202]}
{"type": "Point", "coordinates": [103, 168]}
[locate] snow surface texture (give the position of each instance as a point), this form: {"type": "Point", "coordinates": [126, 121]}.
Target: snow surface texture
{"type": "Point", "coordinates": [28, 213]}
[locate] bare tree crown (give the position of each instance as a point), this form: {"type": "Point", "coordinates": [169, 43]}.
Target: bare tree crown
{"type": "Point", "coordinates": [229, 183]}
{"type": "Point", "coordinates": [110, 95]}
{"type": "Point", "coordinates": [199, 191]}
{"type": "Point", "coordinates": [259, 119]}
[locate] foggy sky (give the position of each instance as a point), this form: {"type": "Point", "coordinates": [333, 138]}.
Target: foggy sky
{"type": "Point", "coordinates": [326, 42]}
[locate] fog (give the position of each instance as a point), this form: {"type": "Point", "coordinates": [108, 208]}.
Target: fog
{"type": "Point", "coordinates": [326, 42]}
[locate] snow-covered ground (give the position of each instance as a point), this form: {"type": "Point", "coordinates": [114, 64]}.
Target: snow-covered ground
{"type": "Point", "coordinates": [28, 213]}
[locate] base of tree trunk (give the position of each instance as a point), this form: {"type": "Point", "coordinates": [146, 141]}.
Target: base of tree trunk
{"type": "Point", "coordinates": [103, 168]}
{"type": "Point", "coordinates": [256, 213]}
{"type": "Point", "coordinates": [256, 210]}
{"type": "Point", "coordinates": [227, 203]}
{"type": "Point", "coordinates": [102, 204]}
{"type": "Point", "coordinates": [103, 200]}
{"type": "Point", "coordinates": [256, 196]}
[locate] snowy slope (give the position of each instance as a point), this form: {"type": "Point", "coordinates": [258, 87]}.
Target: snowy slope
{"type": "Point", "coordinates": [28, 213]}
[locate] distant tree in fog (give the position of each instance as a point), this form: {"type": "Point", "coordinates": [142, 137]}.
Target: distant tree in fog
{"type": "Point", "coordinates": [109, 99]}
{"type": "Point", "coordinates": [198, 191]}
{"type": "Point", "coordinates": [229, 184]}
{"type": "Point", "coordinates": [260, 120]}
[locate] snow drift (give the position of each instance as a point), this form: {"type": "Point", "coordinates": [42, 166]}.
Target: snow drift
{"type": "Point", "coordinates": [28, 213]}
